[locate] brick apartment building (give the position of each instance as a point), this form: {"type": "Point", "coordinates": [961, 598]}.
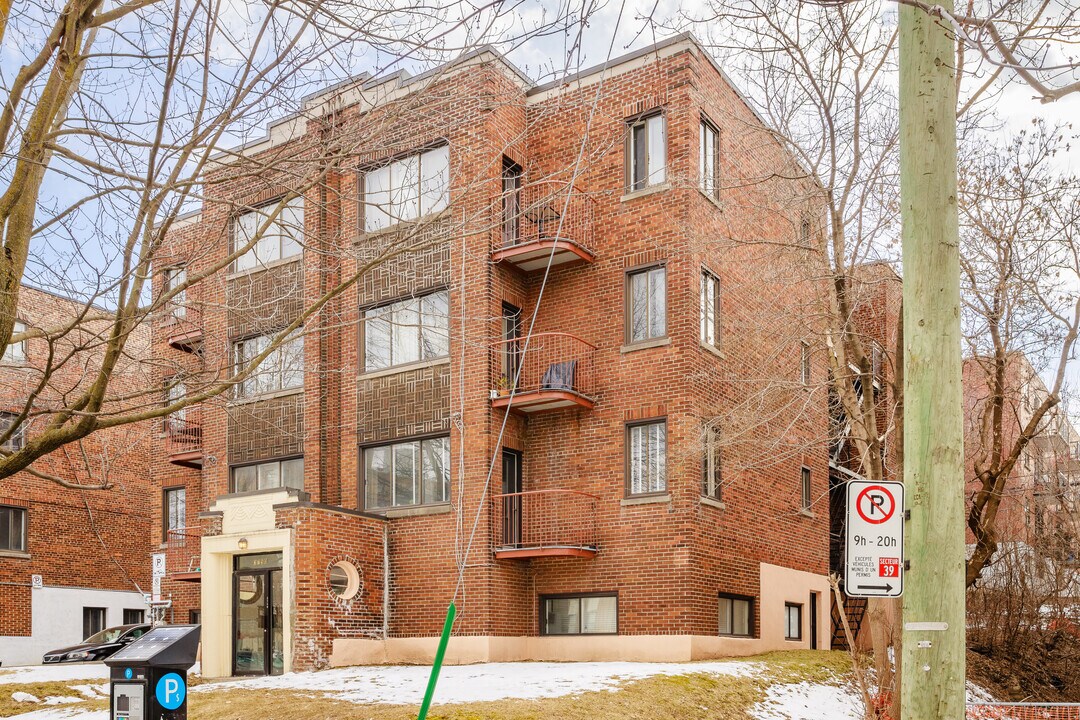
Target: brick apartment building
{"type": "Point", "coordinates": [72, 561]}
{"type": "Point", "coordinates": [324, 511]}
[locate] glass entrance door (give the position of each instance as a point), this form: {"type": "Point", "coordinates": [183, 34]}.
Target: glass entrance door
{"type": "Point", "coordinates": [257, 615]}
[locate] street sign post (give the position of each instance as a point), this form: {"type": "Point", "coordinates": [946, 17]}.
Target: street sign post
{"type": "Point", "coordinates": [874, 547]}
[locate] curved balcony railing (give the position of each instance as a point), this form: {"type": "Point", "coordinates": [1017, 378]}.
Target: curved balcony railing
{"type": "Point", "coordinates": [546, 366]}
{"type": "Point", "coordinates": [531, 219]}
{"type": "Point", "coordinates": [183, 553]}
{"type": "Point", "coordinates": [544, 522]}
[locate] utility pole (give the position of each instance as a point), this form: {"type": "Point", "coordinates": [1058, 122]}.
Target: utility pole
{"type": "Point", "coordinates": [932, 687]}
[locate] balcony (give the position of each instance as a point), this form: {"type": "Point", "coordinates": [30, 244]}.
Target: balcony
{"type": "Point", "coordinates": [183, 327]}
{"type": "Point", "coordinates": [553, 371]}
{"type": "Point", "coordinates": [544, 523]}
{"type": "Point", "coordinates": [183, 554]}
{"type": "Point", "coordinates": [183, 437]}
{"type": "Point", "coordinates": [542, 220]}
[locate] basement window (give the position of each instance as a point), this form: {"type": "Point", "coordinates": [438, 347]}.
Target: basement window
{"type": "Point", "coordinates": [580, 614]}
{"type": "Point", "coordinates": [736, 615]}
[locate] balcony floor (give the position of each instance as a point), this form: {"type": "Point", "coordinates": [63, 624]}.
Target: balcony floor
{"type": "Point", "coordinates": [515, 553]}
{"type": "Point", "coordinates": [533, 255]}
{"type": "Point", "coordinates": [193, 576]}
{"type": "Point", "coordinates": [542, 401]}
{"type": "Point", "coordinates": [190, 459]}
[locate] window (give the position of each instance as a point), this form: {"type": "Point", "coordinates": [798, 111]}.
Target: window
{"type": "Point", "coordinates": [804, 232]}
{"type": "Point", "coordinates": [93, 620]}
{"type": "Point", "coordinates": [711, 478]}
{"type": "Point", "coordinates": [174, 510]}
{"type": "Point", "coordinates": [280, 238]}
{"type": "Point", "coordinates": [406, 189]}
{"type": "Point", "coordinates": [710, 309]}
{"type": "Point", "coordinates": [647, 458]}
{"type": "Point", "coordinates": [174, 278]}
{"type": "Point", "coordinates": [17, 438]}
{"type": "Point", "coordinates": [580, 615]}
{"type": "Point", "coordinates": [415, 472]}
{"type": "Point", "coordinates": [646, 152]}
{"type": "Point", "coordinates": [511, 202]}
{"type": "Point", "coordinates": [274, 474]}
{"type": "Point", "coordinates": [804, 489]}
{"type": "Point", "coordinates": [175, 391]}
{"type": "Point", "coordinates": [194, 617]}
{"type": "Point", "coordinates": [281, 369]}
{"type": "Point", "coordinates": [735, 615]}
{"type": "Point", "coordinates": [647, 304]}
{"type": "Point", "coordinates": [709, 159]}
{"type": "Point", "coordinates": [407, 331]}
{"type": "Point", "coordinates": [792, 621]}
{"type": "Point", "coordinates": [134, 617]}
{"type": "Point", "coordinates": [12, 529]}
{"type": "Point", "coordinates": [15, 353]}
{"type": "Point", "coordinates": [804, 362]}
{"type": "Point", "coordinates": [344, 580]}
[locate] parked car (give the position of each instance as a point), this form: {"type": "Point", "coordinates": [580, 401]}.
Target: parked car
{"type": "Point", "coordinates": [98, 646]}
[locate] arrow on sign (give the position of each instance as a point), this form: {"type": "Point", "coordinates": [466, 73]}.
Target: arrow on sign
{"type": "Point", "coordinates": [886, 588]}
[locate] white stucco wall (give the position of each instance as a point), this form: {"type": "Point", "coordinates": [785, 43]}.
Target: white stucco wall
{"type": "Point", "coordinates": [57, 620]}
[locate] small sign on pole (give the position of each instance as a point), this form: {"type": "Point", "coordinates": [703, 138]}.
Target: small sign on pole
{"type": "Point", "coordinates": [874, 557]}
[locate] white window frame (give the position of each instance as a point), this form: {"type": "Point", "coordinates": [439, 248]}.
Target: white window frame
{"type": "Point", "coordinates": [401, 323]}
{"type": "Point", "coordinates": [709, 158]}
{"type": "Point", "coordinates": [710, 309]}
{"type": "Point", "coordinates": [650, 129]}
{"type": "Point", "coordinates": [269, 474]}
{"type": "Point", "coordinates": [421, 453]}
{"type": "Point", "coordinates": [644, 441]}
{"type": "Point", "coordinates": [172, 277]}
{"type": "Point", "coordinates": [406, 189]}
{"type": "Point", "coordinates": [281, 240]}
{"type": "Point", "coordinates": [275, 373]}
{"type": "Point", "coordinates": [15, 354]}
{"type": "Point", "coordinates": [712, 465]}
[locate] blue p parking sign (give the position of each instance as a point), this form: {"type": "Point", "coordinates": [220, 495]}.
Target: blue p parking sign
{"type": "Point", "coordinates": [170, 691]}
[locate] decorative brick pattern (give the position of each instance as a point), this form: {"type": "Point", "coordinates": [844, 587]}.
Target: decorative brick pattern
{"type": "Point", "coordinates": [414, 402]}
{"type": "Point", "coordinates": [266, 429]}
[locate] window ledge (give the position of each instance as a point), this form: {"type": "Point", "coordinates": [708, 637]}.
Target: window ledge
{"type": "Point", "coordinates": [712, 349]}
{"type": "Point", "coordinates": [402, 225]}
{"type": "Point", "coordinates": [651, 190]}
{"type": "Point", "coordinates": [445, 360]}
{"type": "Point", "coordinates": [806, 513]}
{"type": "Point", "coordinates": [14, 554]}
{"type": "Point", "coordinates": [419, 510]}
{"type": "Point", "coordinates": [264, 266]}
{"type": "Point", "coordinates": [266, 396]}
{"type": "Point", "coordinates": [711, 199]}
{"type": "Point", "coordinates": [645, 344]}
{"type": "Point", "coordinates": [645, 500]}
{"type": "Point", "coordinates": [719, 506]}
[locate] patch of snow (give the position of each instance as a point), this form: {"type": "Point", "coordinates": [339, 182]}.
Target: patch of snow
{"type": "Point", "coordinates": [62, 700]}
{"type": "Point", "coordinates": [54, 673]}
{"type": "Point", "coordinates": [809, 701]}
{"type": "Point", "coordinates": [977, 694]}
{"type": "Point", "coordinates": [63, 714]}
{"type": "Point", "coordinates": [91, 692]}
{"type": "Point", "coordinates": [396, 685]}
{"type": "Point", "coordinates": [19, 696]}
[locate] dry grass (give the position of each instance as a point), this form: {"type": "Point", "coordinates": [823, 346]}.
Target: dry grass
{"type": "Point", "coordinates": [9, 707]}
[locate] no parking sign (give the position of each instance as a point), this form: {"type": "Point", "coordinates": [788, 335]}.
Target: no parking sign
{"type": "Point", "coordinates": [874, 551]}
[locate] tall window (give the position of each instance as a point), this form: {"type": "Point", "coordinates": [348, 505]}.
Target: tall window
{"type": "Point", "coordinates": [792, 621]}
{"type": "Point", "coordinates": [281, 369]}
{"type": "Point", "coordinates": [646, 161]}
{"type": "Point", "coordinates": [12, 528]}
{"type": "Point", "coordinates": [511, 201]}
{"type": "Point", "coordinates": [174, 278]}
{"type": "Point", "coordinates": [416, 472]}
{"type": "Point", "coordinates": [735, 615]}
{"type": "Point", "coordinates": [804, 362]}
{"type": "Point", "coordinates": [646, 458]}
{"type": "Point", "coordinates": [93, 621]}
{"type": "Point", "coordinates": [511, 330]}
{"type": "Point", "coordinates": [268, 475]}
{"type": "Point", "coordinates": [406, 189]}
{"type": "Point", "coordinates": [15, 353]}
{"type": "Point", "coordinates": [17, 438]}
{"type": "Point", "coordinates": [709, 159]}
{"type": "Point", "coordinates": [710, 309]}
{"type": "Point", "coordinates": [280, 238]}
{"type": "Point", "coordinates": [175, 391]}
{"type": "Point", "coordinates": [646, 304]}
{"type": "Point", "coordinates": [407, 331]}
{"type": "Point", "coordinates": [582, 615]}
{"type": "Point", "coordinates": [174, 510]}
{"type": "Point", "coordinates": [804, 489]}
{"type": "Point", "coordinates": [711, 478]}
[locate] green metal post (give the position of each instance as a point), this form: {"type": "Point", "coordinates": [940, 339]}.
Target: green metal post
{"type": "Point", "coordinates": [451, 611]}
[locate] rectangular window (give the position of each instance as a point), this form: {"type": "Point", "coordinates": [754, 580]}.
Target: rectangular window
{"type": "Point", "coordinates": [646, 304]}
{"type": "Point", "coordinates": [511, 202]}
{"type": "Point", "coordinates": [792, 621]}
{"type": "Point", "coordinates": [711, 478]}
{"type": "Point", "coordinates": [12, 529]}
{"type": "Point", "coordinates": [804, 362]}
{"type": "Point", "coordinates": [280, 237]}
{"type": "Point", "coordinates": [406, 189]}
{"type": "Point", "coordinates": [133, 616]}
{"type": "Point", "coordinates": [646, 151]}
{"type": "Point", "coordinates": [174, 510]}
{"type": "Point", "coordinates": [804, 489]}
{"type": "Point", "coordinates": [646, 458]}
{"type": "Point", "coordinates": [804, 232]}
{"type": "Point", "coordinates": [709, 159]}
{"type": "Point", "coordinates": [93, 621]}
{"type": "Point", "coordinates": [15, 354]}
{"type": "Point", "coordinates": [736, 614]}
{"type": "Point", "coordinates": [710, 309]}
{"type": "Point", "coordinates": [281, 369]}
{"type": "Point", "coordinates": [580, 615]}
{"type": "Point", "coordinates": [267, 475]}
{"type": "Point", "coordinates": [416, 472]}
{"type": "Point", "coordinates": [17, 438]}
{"type": "Point", "coordinates": [174, 278]}
{"type": "Point", "coordinates": [407, 331]}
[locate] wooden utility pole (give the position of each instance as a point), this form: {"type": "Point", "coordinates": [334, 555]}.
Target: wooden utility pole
{"type": "Point", "coordinates": [932, 687]}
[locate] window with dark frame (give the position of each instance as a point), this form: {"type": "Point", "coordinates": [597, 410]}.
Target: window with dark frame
{"type": "Point", "coordinates": [646, 304]}
{"type": "Point", "coordinates": [15, 353]}
{"type": "Point", "coordinates": [133, 616]}
{"type": "Point", "coordinates": [805, 228]}
{"type": "Point", "coordinates": [646, 152]}
{"type": "Point", "coordinates": [711, 481]}
{"type": "Point", "coordinates": [511, 202]}
{"type": "Point", "coordinates": [579, 614]}
{"type": "Point", "coordinates": [281, 236]}
{"type": "Point", "coordinates": [710, 309]}
{"type": "Point", "coordinates": [175, 391]}
{"type": "Point", "coordinates": [174, 510]}
{"type": "Point", "coordinates": [709, 159]}
{"type": "Point", "coordinates": [736, 615]}
{"type": "Point", "coordinates": [268, 475]}
{"type": "Point", "coordinates": [281, 369]}
{"type": "Point", "coordinates": [403, 474]}
{"type": "Point", "coordinates": [646, 458]}
{"type": "Point", "coordinates": [93, 620]}
{"type": "Point", "coordinates": [792, 621]}
{"type": "Point", "coordinates": [511, 355]}
{"type": "Point", "coordinates": [12, 528]}
{"type": "Point", "coordinates": [805, 497]}
{"type": "Point", "coordinates": [804, 362]}
{"type": "Point", "coordinates": [17, 438]}
{"type": "Point", "coordinates": [406, 189]}
{"type": "Point", "coordinates": [174, 277]}
{"type": "Point", "coordinates": [407, 331]}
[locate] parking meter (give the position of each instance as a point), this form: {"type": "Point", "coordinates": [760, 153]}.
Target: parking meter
{"type": "Point", "coordinates": [148, 678]}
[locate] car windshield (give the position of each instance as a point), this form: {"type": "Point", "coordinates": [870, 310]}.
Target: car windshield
{"type": "Point", "coordinates": [107, 635]}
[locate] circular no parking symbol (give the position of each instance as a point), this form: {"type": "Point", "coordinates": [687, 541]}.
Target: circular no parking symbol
{"type": "Point", "coordinates": [875, 504]}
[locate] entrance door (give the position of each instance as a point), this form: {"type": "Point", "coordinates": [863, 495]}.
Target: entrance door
{"type": "Point", "coordinates": [257, 615]}
{"type": "Point", "coordinates": [813, 621]}
{"type": "Point", "coordinates": [511, 466]}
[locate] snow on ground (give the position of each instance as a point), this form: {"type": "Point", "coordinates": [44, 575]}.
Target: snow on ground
{"type": "Point", "coordinates": [809, 701]}
{"type": "Point", "coordinates": [474, 683]}
{"type": "Point", "coordinates": [63, 714]}
{"type": "Point", "coordinates": [54, 673]}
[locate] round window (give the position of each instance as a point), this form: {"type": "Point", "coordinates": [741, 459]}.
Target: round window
{"type": "Point", "coordinates": [344, 580]}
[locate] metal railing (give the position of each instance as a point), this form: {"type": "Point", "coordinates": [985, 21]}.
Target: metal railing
{"type": "Point", "coordinates": [183, 431]}
{"type": "Point", "coordinates": [183, 552]}
{"type": "Point", "coordinates": [1003, 710]}
{"type": "Point", "coordinates": [545, 210]}
{"type": "Point", "coordinates": [182, 319]}
{"type": "Point", "coordinates": [544, 519]}
{"type": "Point", "coordinates": [547, 361]}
